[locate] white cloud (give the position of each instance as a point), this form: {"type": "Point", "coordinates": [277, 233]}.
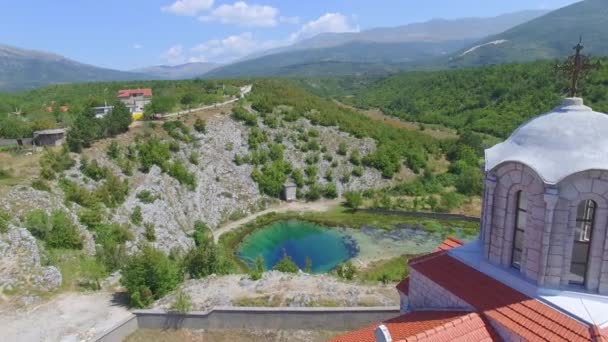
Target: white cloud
{"type": "Point", "coordinates": [231, 48]}
{"type": "Point", "coordinates": [241, 13]}
{"type": "Point", "coordinates": [329, 22]}
{"type": "Point", "coordinates": [289, 20]}
{"type": "Point", "coordinates": [174, 55]}
{"type": "Point", "coordinates": [188, 7]}
{"type": "Point", "coordinates": [137, 46]}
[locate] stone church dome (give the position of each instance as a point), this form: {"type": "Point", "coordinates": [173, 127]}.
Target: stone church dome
{"type": "Point", "coordinates": [570, 139]}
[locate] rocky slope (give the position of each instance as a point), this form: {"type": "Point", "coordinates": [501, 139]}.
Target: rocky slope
{"type": "Point", "coordinates": [224, 191]}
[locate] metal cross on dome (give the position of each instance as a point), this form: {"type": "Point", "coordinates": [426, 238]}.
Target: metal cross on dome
{"type": "Point", "coordinates": [577, 67]}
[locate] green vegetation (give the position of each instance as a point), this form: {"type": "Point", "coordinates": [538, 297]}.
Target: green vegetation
{"type": "Point", "coordinates": [182, 303]}
{"type": "Point", "coordinates": [200, 126]}
{"type": "Point", "coordinates": [148, 276]}
{"type": "Point", "coordinates": [150, 232]}
{"type": "Point", "coordinates": [136, 216]}
{"type": "Point", "coordinates": [394, 145]}
{"type": "Point", "coordinates": [493, 100]}
{"type": "Point", "coordinates": [386, 271]}
{"type": "Point", "coordinates": [56, 230]}
{"type": "Point", "coordinates": [5, 218]}
{"type": "Point", "coordinates": [346, 270]}
{"type": "Point", "coordinates": [55, 162]}
{"type": "Point", "coordinates": [146, 197]}
{"type": "Point", "coordinates": [286, 265]}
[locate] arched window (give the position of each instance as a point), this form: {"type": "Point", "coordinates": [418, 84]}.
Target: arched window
{"type": "Point", "coordinates": [583, 233]}
{"type": "Point", "coordinates": [521, 216]}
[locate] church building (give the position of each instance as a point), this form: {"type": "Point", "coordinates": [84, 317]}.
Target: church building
{"type": "Point", "coordinates": [538, 270]}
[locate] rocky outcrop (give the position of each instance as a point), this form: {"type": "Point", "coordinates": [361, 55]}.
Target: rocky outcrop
{"type": "Point", "coordinates": [281, 289]}
{"type": "Point", "coordinates": [20, 263]}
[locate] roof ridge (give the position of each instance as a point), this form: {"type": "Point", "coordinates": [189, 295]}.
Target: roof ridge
{"type": "Point", "coordinates": [426, 257]}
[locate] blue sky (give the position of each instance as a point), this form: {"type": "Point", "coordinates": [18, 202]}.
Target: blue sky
{"type": "Point", "coordinates": [125, 34]}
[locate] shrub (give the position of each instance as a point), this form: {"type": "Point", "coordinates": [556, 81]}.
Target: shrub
{"type": "Point", "coordinates": [63, 232]}
{"type": "Point", "coordinates": [272, 177]}
{"type": "Point", "coordinates": [182, 303]}
{"type": "Point", "coordinates": [353, 200]}
{"type": "Point", "coordinates": [55, 162]}
{"type": "Point", "coordinates": [355, 159]}
{"type": "Point", "coordinates": [298, 177]}
{"type": "Point", "coordinates": [40, 184]}
{"type": "Point", "coordinates": [178, 131]}
{"type": "Point", "coordinates": [308, 263]}
{"type": "Point", "coordinates": [111, 238]}
{"type": "Point", "coordinates": [346, 270]}
{"type": "Point", "coordinates": [93, 170]}
{"type": "Point", "coordinates": [113, 151]}
{"type": "Point", "coordinates": [38, 223]}
{"type": "Point", "coordinates": [330, 191]}
{"type": "Point", "coordinates": [194, 158]}
{"type": "Point", "coordinates": [358, 171]}
{"type": "Point", "coordinates": [4, 221]}
{"type": "Point", "coordinates": [146, 196]}
{"type": "Point", "coordinates": [286, 265]}
{"type": "Point", "coordinates": [342, 148]}
{"type": "Point", "coordinates": [75, 193]}
{"type": "Point", "coordinates": [113, 192]}
{"type": "Point", "coordinates": [200, 126]}
{"type": "Point", "coordinates": [329, 175]}
{"type": "Point", "coordinates": [153, 152]}
{"type": "Point", "coordinates": [241, 114]}
{"type": "Point", "coordinates": [91, 217]}
{"type": "Point", "coordinates": [205, 260]}
{"type": "Point", "coordinates": [469, 182]}
{"type": "Point", "coordinates": [314, 193]}
{"type": "Point", "coordinates": [202, 233]}
{"type": "Point", "coordinates": [136, 216]}
{"type": "Point", "coordinates": [179, 171]}
{"type": "Point", "coordinates": [149, 275]}
{"type": "Point", "coordinates": [150, 233]}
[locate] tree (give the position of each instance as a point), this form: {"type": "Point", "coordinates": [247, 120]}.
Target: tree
{"type": "Point", "coordinates": [205, 260]}
{"type": "Point", "coordinates": [308, 265]}
{"type": "Point", "coordinates": [353, 200]}
{"type": "Point", "coordinates": [63, 233]}
{"type": "Point", "coordinates": [469, 182]}
{"type": "Point", "coordinates": [286, 265]}
{"type": "Point", "coordinates": [149, 275]}
{"type": "Point", "coordinates": [346, 270]}
{"type": "Point", "coordinates": [200, 126]}
{"type": "Point", "coordinates": [117, 120]}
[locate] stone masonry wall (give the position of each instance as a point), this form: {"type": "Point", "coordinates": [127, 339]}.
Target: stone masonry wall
{"type": "Point", "coordinates": [426, 294]}
{"type": "Point", "coordinates": [551, 221]}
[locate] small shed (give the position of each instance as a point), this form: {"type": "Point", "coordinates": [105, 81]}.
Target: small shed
{"type": "Point", "coordinates": [289, 191]}
{"type": "Point", "coordinates": [49, 137]}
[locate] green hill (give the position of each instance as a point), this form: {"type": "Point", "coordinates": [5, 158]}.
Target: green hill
{"type": "Point", "coordinates": [493, 99]}
{"type": "Point", "coordinates": [550, 36]}
{"type": "Point", "coordinates": [22, 69]}
{"type": "Point", "coordinates": [348, 59]}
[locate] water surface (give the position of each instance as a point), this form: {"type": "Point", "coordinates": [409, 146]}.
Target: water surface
{"type": "Point", "coordinates": [326, 247]}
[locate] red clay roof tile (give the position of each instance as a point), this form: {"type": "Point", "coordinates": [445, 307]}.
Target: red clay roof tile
{"type": "Point", "coordinates": [526, 316]}
{"type": "Point", "coordinates": [429, 326]}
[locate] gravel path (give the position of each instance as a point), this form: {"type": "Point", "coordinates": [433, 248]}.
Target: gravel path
{"type": "Point", "coordinates": [67, 317]}
{"type": "Point", "coordinates": [319, 206]}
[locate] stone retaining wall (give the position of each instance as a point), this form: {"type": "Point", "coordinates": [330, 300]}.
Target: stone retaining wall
{"type": "Point", "coordinates": [253, 318]}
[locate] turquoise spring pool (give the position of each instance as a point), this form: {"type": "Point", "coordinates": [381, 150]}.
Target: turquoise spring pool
{"type": "Point", "coordinates": [325, 247]}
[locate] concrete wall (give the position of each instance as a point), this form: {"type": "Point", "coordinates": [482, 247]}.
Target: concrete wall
{"type": "Point", "coordinates": [254, 318]}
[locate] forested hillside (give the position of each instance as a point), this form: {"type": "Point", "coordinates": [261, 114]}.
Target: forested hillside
{"type": "Point", "coordinates": [34, 105]}
{"type": "Point", "coordinates": [493, 100]}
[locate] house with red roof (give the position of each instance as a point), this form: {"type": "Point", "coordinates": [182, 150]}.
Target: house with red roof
{"type": "Point", "coordinates": [538, 270]}
{"type": "Point", "coordinates": [135, 99]}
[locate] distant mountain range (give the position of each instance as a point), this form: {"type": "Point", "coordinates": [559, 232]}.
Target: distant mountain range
{"type": "Point", "coordinates": [22, 69]}
{"type": "Point", "coordinates": [436, 44]}
{"type": "Point", "coordinates": [379, 48]}
{"type": "Point", "coordinates": [550, 36]}
{"type": "Point", "coordinates": [177, 72]}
